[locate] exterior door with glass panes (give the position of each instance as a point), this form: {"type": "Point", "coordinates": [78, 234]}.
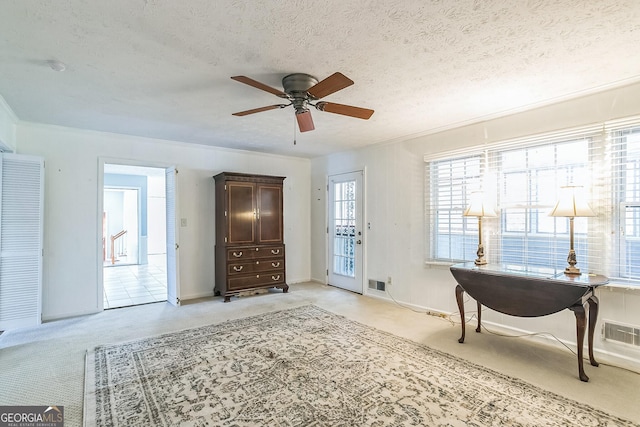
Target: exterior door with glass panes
{"type": "Point", "coordinates": [345, 231]}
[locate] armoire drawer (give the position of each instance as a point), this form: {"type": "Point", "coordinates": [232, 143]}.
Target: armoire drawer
{"type": "Point", "coordinates": [235, 268]}
{"type": "Point", "coordinates": [254, 252]}
{"type": "Point", "coordinates": [256, 280]}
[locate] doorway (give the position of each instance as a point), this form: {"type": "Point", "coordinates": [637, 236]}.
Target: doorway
{"type": "Point", "coordinates": [134, 235]}
{"type": "Point", "coordinates": [345, 231]}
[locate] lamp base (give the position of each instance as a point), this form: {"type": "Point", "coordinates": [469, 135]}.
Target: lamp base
{"type": "Point", "coordinates": [572, 270]}
{"type": "Point", "coordinates": [480, 253]}
{"type": "Point", "coordinates": [572, 260]}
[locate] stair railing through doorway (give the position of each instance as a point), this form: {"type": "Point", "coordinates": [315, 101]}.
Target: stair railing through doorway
{"type": "Point", "coordinates": [115, 237]}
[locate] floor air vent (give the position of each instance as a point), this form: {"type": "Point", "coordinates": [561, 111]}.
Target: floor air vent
{"type": "Point", "coordinates": [621, 333]}
{"type": "Point", "coordinates": [376, 284]}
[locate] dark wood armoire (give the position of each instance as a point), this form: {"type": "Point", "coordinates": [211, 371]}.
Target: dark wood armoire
{"type": "Point", "coordinates": [249, 234]}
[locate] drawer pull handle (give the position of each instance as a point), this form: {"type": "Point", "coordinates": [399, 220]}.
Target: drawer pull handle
{"type": "Point", "coordinates": [237, 254]}
{"type": "Point", "coordinates": [275, 277]}
{"type": "Point", "coordinates": [275, 251]}
{"type": "Point", "coordinates": [275, 264]}
{"type": "Point", "coordinates": [238, 267]}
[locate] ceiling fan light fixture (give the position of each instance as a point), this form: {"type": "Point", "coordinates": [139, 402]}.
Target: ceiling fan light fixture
{"type": "Point", "coordinates": [305, 121]}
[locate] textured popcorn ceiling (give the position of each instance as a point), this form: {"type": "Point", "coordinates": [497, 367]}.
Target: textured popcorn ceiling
{"type": "Point", "coordinates": [161, 68]}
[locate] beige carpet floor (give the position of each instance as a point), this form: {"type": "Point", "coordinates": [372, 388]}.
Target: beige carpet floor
{"type": "Point", "coordinates": [44, 365]}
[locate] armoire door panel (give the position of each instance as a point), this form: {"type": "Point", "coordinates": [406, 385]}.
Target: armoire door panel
{"type": "Point", "coordinates": [270, 214]}
{"type": "Point", "coordinates": [241, 213]}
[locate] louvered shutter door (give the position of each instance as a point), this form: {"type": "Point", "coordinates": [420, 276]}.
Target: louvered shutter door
{"type": "Point", "coordinates": [21, 224]}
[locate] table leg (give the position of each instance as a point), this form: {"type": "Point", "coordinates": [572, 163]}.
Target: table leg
{"type": "Point", "coordinates": [593, 318]}
{"type": "Point", "coordinates": [459, 294]}
{"type": "Point", "coordinates": [478, 329]}
{"type": "Point", "coordinates": [581, 323]}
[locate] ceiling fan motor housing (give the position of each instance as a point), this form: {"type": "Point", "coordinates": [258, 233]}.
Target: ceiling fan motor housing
{"type": "Point", "coordinates": [298, 82]}
{"type": "Point", "coordinates": [296, 86]}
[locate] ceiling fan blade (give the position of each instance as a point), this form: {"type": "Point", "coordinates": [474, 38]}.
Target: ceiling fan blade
{"type": "Point", "coordinates": [331, 84]}
{"type": "Point", "coordinates": [258, 85]}
{"type": "Point", "coordinates": [259, 110]}
{"type": "Point", "coordinates": [305, 122]}
{"type": "Point", "coordinates": [345, 110]}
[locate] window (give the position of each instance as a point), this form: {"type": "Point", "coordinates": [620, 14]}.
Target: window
{"type": "Point", "coordinates": [528, 179]}
{"type": "Point", "coordinates": [451, 183]}
{"type": "Point", "coordinates": [522, 177]}
{"type": "Point", "coordinates": [624, 149]}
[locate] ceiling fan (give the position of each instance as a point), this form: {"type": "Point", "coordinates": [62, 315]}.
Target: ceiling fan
{"type": "Point", "coordinates": [304, 91]}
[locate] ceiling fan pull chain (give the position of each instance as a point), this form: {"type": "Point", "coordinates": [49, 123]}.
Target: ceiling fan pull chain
{"type": "Point", "coordinates": [294, 131]}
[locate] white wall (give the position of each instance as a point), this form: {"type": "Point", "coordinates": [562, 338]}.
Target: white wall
{"type": "Point", "coordinates": [72, 256]}
{"type": "Point", "coordinates": [8, 122]}
{"type": "Point", "coordinates": [394, 194]}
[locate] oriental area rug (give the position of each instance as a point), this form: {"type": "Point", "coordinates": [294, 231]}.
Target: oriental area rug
{"type": "Point", "coordinates": [308, 367]}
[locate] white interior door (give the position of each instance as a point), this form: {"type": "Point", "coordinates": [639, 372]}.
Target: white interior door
{"type": "Point", "coordinates": [345, 231]}
{"type": "Point", "coordinates": [21, 225]}
{"type": "Point", "coordinates": [173, 278]}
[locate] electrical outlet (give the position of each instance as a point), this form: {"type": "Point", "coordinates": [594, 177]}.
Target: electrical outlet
{"type": "Point", "coordinates": [389, 280]}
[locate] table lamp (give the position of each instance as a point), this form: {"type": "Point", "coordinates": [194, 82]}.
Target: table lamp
{"type": "Point", "coordinates": [479, 207]}
{"type": "Point", "coordinates": [571, 204]}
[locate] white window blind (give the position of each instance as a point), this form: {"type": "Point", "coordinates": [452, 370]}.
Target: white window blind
{"type": "Point", "coordinates": [528, 180]}
{"type": "Point", "coordinates": [621, 201]}
{"type": "Point", "coordinates": [522, 179]}
{"type": "Point", "coordinates": [451, 182]}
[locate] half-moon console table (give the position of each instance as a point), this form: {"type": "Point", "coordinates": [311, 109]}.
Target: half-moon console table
{"type": "Point", "coordinates": [531, 292]}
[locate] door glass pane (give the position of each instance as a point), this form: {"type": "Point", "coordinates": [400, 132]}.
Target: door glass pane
{"type": "Point", "coordinates": [344, 228]}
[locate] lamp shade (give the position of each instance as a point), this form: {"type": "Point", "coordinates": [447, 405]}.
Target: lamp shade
{"type": "Point", "coordinates": [479, 207]}
{"type": "Point", "coordinates": [572, 203]}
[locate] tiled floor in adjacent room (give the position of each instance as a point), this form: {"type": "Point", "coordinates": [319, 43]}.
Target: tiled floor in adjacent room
{"type": "Point", "coordinates": [126, 285]}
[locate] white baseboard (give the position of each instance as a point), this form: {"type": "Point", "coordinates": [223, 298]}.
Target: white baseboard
{"type": "Point", "coordinates": [196, 295]}
{"type": "Point", "coordinates": [293, 281]}
{"type": "Point", "coordinates": [70, 315]}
